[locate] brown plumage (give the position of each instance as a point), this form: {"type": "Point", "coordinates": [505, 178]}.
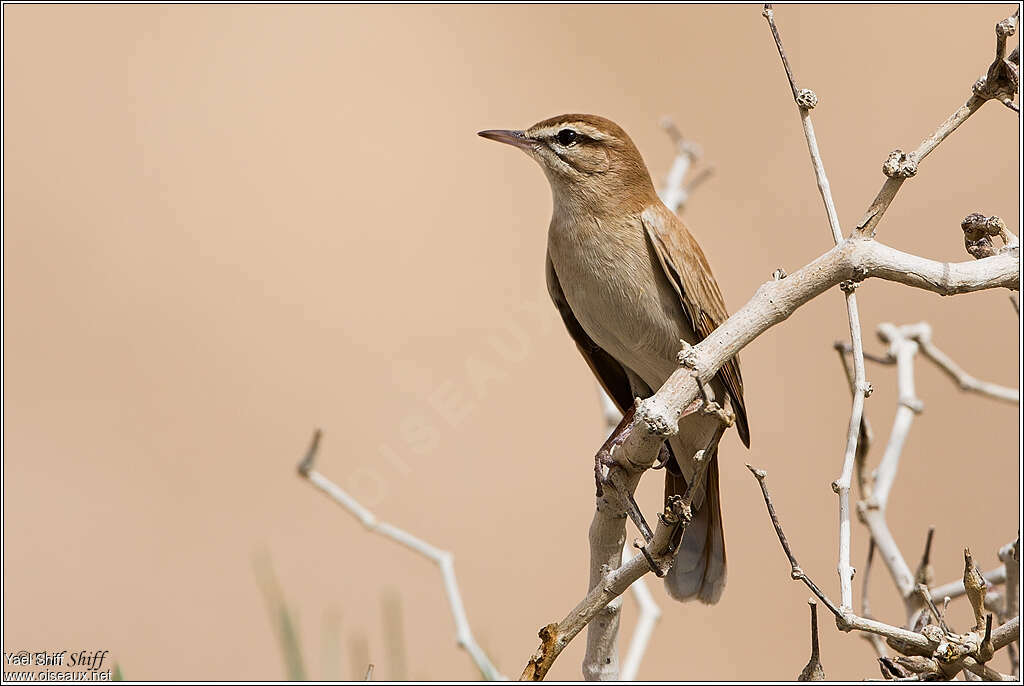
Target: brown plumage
{"type": "Point", "coordinates": [630, 282]}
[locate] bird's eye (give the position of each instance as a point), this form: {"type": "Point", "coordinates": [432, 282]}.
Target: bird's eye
{"type": "Point", "coordinates": [567, 137]}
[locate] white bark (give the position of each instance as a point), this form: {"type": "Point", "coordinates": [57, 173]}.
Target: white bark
{"type": "Point", "coordinates": [962, 379]}
{"type": "Point", "coordinates": [648, 618]}
{"type": "Point", "coordinates": [872, 510]}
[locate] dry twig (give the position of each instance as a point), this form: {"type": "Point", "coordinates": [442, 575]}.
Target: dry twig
{"type": "Point", "coordinates": [813, 671]}
{"type": "Point", "coordinates": [951, 652]}
{"type": "Point", "coordinates": [444, 559]}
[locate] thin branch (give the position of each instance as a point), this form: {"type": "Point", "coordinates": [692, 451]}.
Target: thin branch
{"type": "Point", "coordinates": [444, 559]}
{"type": "Point", "coordinates": [845, 620]}
{"type": "Point", "coordinates": [806, 100]}
{"type": "Point", "coordinates": [677, 189]}
{"type": "Point", "coordinates": [953, 651]}
{"type": "Point", "coordinates": [867, 435]}
{"type": "Point", "coordinates": [795, 571]}
{"type": "Point", "coordinates": [965, 381]}
{"type": "Point", "coordinates": [872, 509]}
{"type": "Point", "coordinates": [845, 349]}
{"type": "Point", "coordinates": [900, 167]}
{"type": "Point", "coordinates": [865, 606]}
{"type": "Point", "coordinates": [955, 589]}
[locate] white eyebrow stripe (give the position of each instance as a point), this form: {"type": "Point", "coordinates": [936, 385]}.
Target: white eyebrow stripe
{"type": "Point", "coordinates": [579, 127]}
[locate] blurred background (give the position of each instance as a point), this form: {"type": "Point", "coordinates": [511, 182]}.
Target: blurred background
{"type": "Point", "coordinates": [225, 226]}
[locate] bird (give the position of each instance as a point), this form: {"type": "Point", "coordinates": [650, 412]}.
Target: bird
{"type": "Point", "coordinates": [630, 282]}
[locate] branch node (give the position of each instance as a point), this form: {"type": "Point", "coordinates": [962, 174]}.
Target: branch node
{"type": "Point", "coordinates": [656, 422]}
{"type": "Point", "coordinates": [979, 231]}
{"type": "Point", "coordinates": [848, 286]}
{"type": "Point", "coordinates": [1007, 27]}
{"type": "Point", "coordinates": [899, 165]}
{"type": "Point", "coordinates": [806, 99]}
{"type": "Point", "coordinates": [687, 355]}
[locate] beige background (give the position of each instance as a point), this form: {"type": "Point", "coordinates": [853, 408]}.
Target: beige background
{"type": "Point", "coordinates": [228, 225]}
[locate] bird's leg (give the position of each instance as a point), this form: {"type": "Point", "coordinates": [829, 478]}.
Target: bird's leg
{"type": "Point", "coordinates": [632, 509]}
{"type": "Point", "coordinates": [682, 506]}
{"type": "Point", "coordinates": [605, 475]}
{"type": "Point", "coordinates": [726, 417]}
{"type": "Point", "coordinates": [664, 455]}
{"type": "Point", "coordinates": [603, 460]}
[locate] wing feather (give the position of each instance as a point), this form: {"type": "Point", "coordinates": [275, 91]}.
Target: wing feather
{"type": "Point", "coordinates": [689, 273]}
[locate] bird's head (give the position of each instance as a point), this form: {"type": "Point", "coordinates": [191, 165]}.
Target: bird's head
{"type": "Point", "coordinates": [586, 159]}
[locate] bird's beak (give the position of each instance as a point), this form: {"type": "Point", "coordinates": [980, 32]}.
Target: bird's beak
{"type": "Point", "coordinates": [516, 138]}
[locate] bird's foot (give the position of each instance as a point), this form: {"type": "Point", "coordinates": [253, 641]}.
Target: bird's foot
{"type": "Point", "coordinates": [676, 515]}
{"type": "Point", "coordinates": [725, 416]}
{"type": "Point", "coordinates": [604, 459]}
{"type": "Point", "coordinates": [664, 455]}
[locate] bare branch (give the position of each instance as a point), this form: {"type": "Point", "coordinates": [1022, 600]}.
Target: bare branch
{"type": "Point", "coordinates": [900, 167]}
{"type": "Point", "coordinates": [865, 605]}
{"type": "Point", "coordinates": [796, 572]}
{"type": "Point", "coordinates": [955, 589]}
{"type": "Point", "coordinates": [444, 559]}
{"type": "Point", "coordinates": [952, 652]}
{"type": "Point", "coordinates": [845, 620]}
{"type": "Point", "coordinates": [966, 382]}
{"type": "Point", "coordinates": [872, 508]}
{"type": "Point", "coordinates": [677, 189]}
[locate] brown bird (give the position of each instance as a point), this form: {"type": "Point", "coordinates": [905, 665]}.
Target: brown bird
{"type": "Point", "coordinates": [630, 282]}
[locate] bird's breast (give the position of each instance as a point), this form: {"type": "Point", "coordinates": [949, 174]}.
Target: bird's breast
{"type": "Point", "coordinates": [616, 291]}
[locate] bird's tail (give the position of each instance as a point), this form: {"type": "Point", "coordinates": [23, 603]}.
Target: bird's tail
{"type": "Point", "coordinates": [699, 568]}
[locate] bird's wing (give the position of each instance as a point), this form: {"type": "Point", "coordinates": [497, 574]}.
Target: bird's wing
{"type": "Point", "coordinates": [690, 274]}
{"type": "Point", "coordinates": [605, 367]}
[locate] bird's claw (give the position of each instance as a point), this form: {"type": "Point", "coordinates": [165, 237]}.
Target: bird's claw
{"type": "Point", "coordinates": [664, 455]}
{"type": "Point", "coordinates": [726, 417]}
